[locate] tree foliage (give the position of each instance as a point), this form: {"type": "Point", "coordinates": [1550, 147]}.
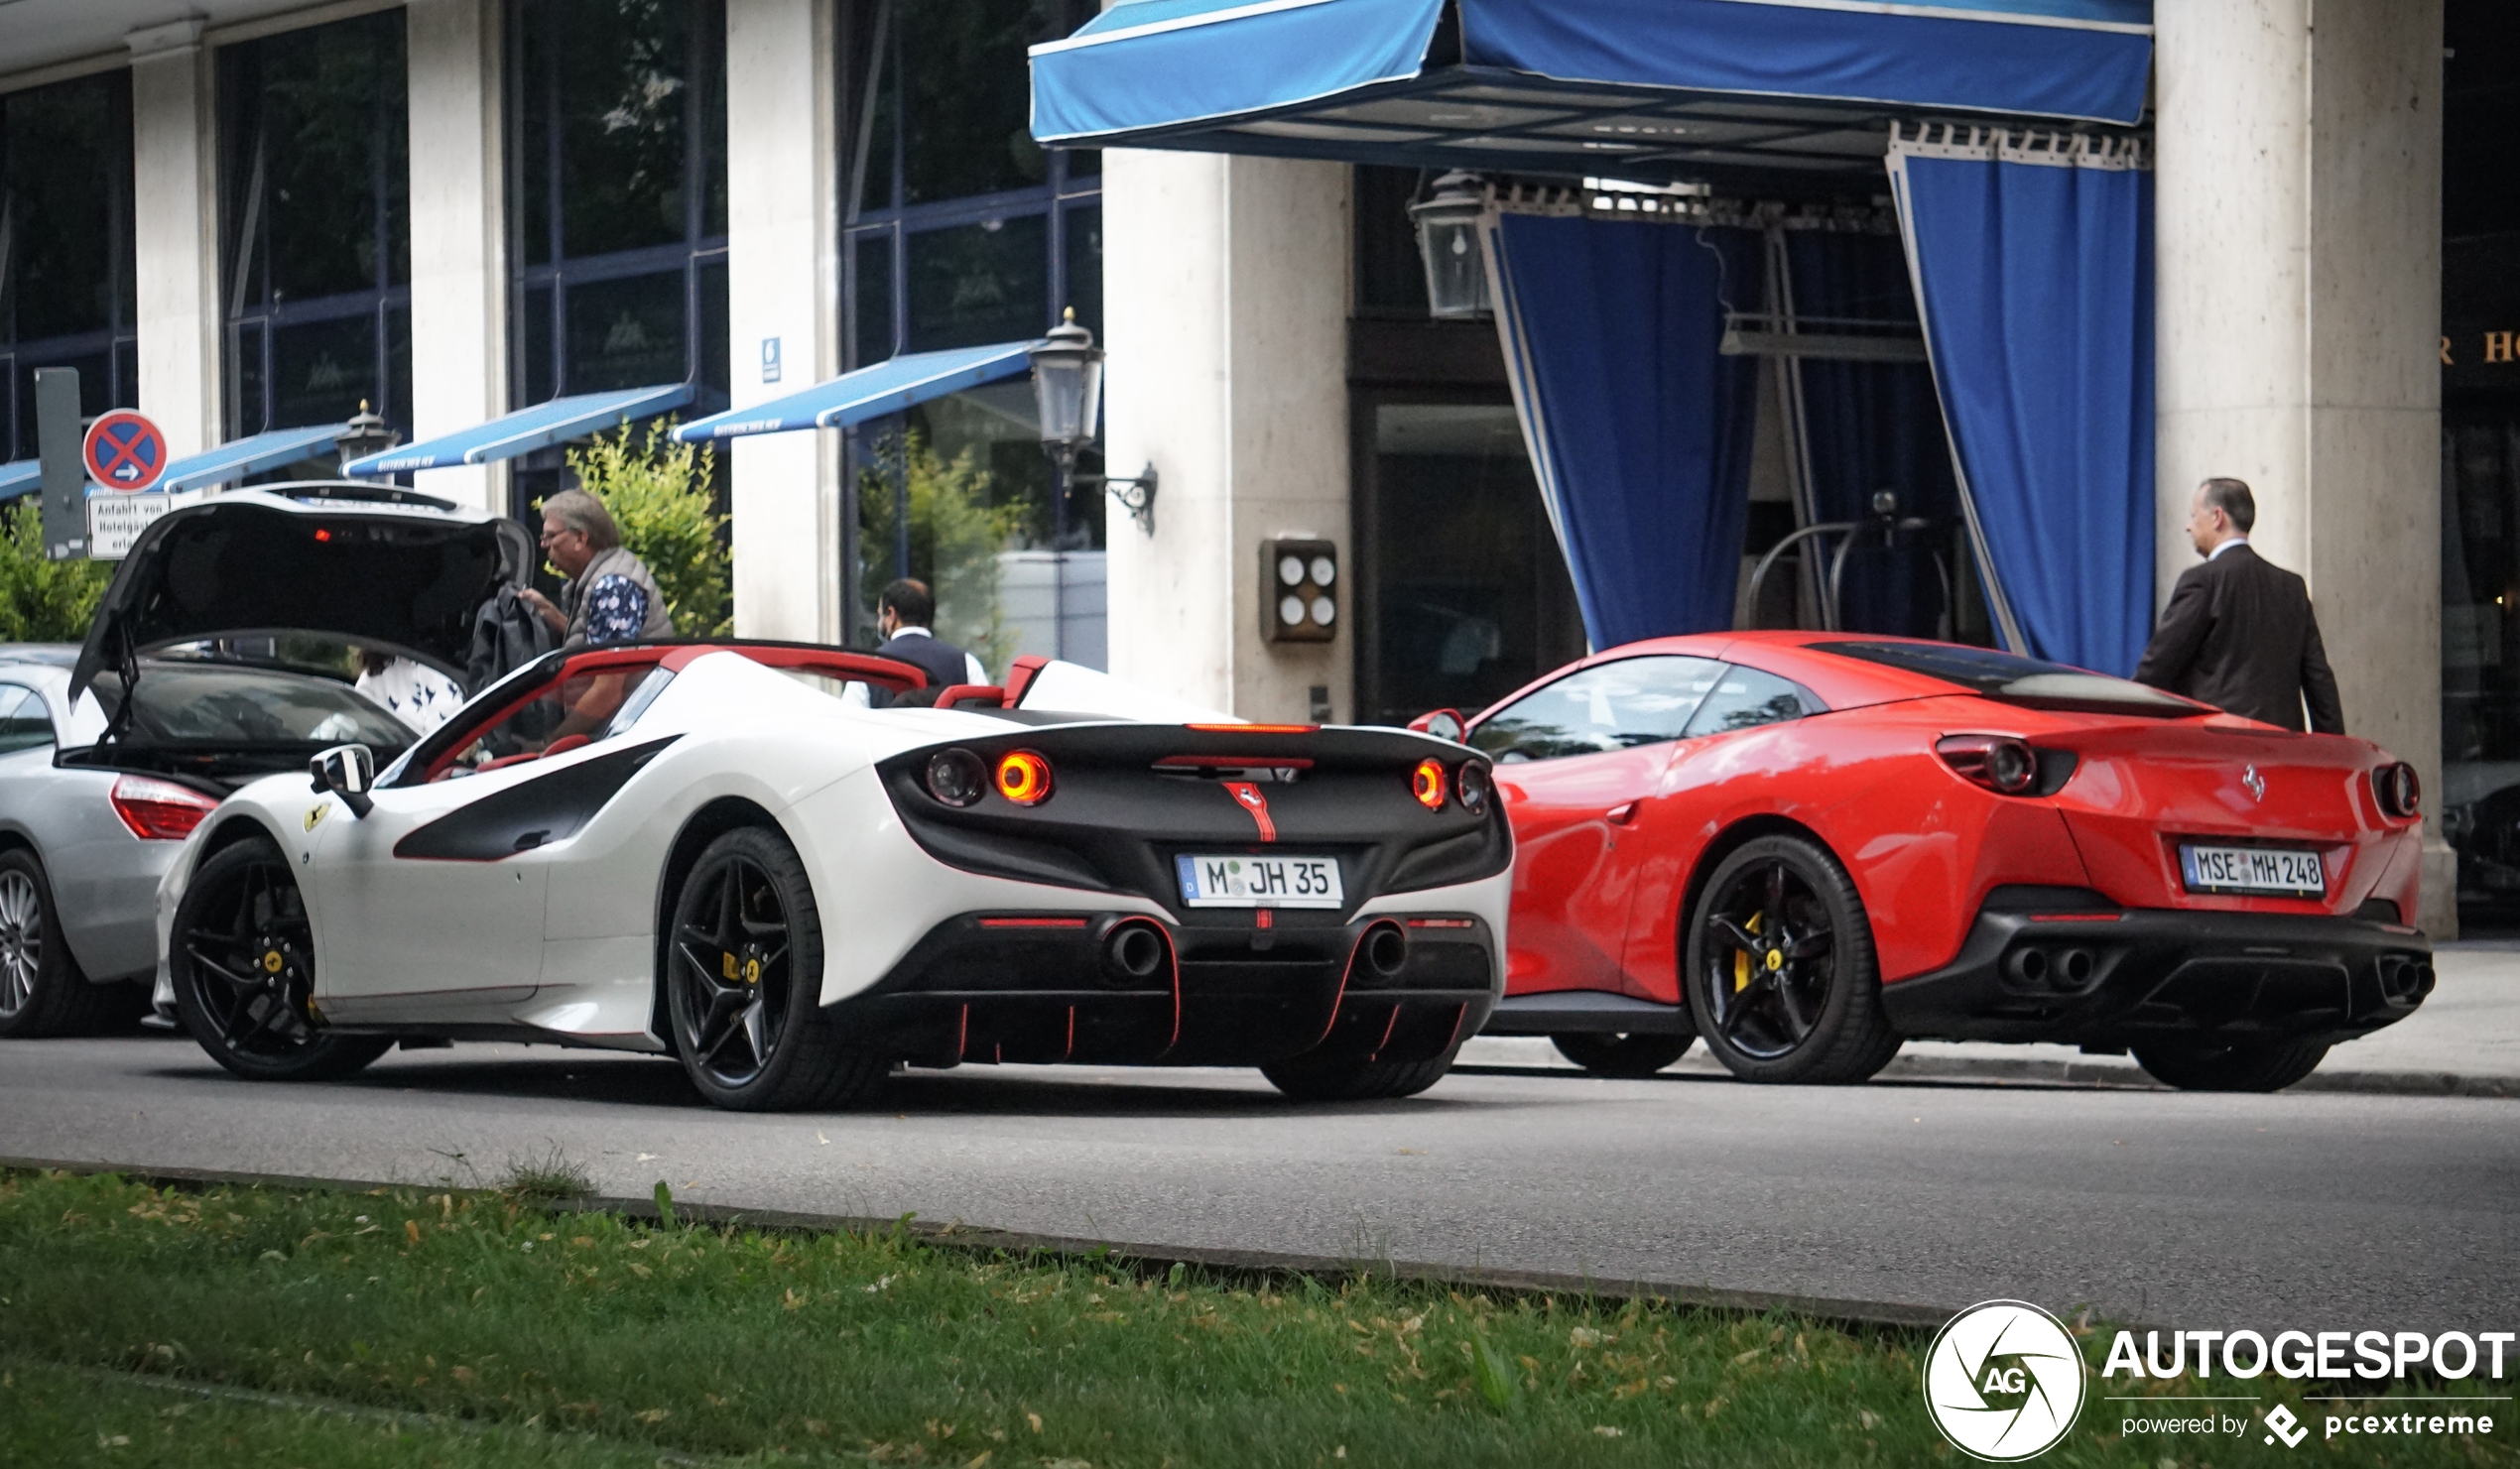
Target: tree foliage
{"type": "Point", "coordinates": [660, 494]}
{"type": "Point", "coordinates": [44, 601]}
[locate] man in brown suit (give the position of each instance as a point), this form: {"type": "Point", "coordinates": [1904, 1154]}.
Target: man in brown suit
{"type": "Point", "coordinates": [2238, 632]}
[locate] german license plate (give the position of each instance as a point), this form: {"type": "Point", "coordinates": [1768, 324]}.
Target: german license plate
{"type": "Point", "coordinates": [2292, 874]}
{"type": "Point", "coordinates": [1242, 881]}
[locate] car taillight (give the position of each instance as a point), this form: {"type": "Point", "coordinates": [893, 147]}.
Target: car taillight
{"type": "Point", "coordinates": [1427, 784]}
{"type": "Point", "coordinates": [1999, 763]}
{"type": "Point", "coordinates": [2398, 790]}
{"type": "Point", "coordinates": [158, 810]}
{"type": "Point", "coordinates": [1023, 777]}
{"type": "Point", "coordinates": [1473, 786]}
{"type": "Point", "coordinates": [956, 776]}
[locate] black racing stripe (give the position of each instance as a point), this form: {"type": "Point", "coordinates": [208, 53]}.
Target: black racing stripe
{"type": "Point", "coordinates": [533, 813]}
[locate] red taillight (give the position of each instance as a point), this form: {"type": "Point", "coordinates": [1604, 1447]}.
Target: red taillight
{"type": "Point", "coordinates": [1023, 777]}
{"type": "Point", "coordinates": [1427, 784]}
{"type": "Point", "coordinates": [1999, 763]}
{"type": "Point", "coordinates": [159, 810]}
{"type": "Point", "coordinates": [2398, 790]}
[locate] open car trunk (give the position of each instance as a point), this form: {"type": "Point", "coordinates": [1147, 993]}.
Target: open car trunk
{"type": "Point", "coordinates": [370, 565]}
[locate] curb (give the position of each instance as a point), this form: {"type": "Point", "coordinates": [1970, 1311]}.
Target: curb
{"type": "Point", "coordinates": [974, 1238]}
{"type": "Point", "coordinates": [2096, 1071]}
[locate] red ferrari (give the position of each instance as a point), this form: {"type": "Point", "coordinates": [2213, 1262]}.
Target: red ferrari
{"type": "Point", "coordinates": [1805, 847]}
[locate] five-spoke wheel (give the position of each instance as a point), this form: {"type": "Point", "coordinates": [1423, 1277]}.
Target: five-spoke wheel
{"type": "Point", "coordinates": [1781, 974]}
{"type": "Point", "coordinates": [242, 957]}
{"type": "Point", "coordinates": [744, 980]}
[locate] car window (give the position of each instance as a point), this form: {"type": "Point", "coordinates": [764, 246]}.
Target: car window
{"type": "Point", "coordinates": [24, 721]}
{"type": "Point", "coordinates": [1608, 707]}
{"type": "Point", "coordinates": [227, 706]}
{"type": "Point", "coordinates": [1745, 699]}
{"type": "Point", "coordinates": [576, 709]}
{"type": "Point", "coordinates": [1993, 673]}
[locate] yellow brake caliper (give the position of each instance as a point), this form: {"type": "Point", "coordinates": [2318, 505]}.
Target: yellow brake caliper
{"type": "Point", "coordinates": [1741, 957]}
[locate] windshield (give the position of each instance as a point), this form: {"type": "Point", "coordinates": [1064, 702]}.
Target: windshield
{"type": "Point", "coordinates": [1992, 674]}
{"type": "Point", "coordinates": [211, 707]}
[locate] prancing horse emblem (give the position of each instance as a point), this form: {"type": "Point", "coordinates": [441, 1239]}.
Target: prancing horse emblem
{"type": "Point", "coordinates": [2255, 782]}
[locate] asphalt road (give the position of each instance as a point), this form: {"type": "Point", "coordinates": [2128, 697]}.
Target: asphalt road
{"type": "Point", "coordinates": [2302, 1210]}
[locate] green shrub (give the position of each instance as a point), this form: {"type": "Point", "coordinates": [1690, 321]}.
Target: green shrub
{"type": "Point", "coordinates": [43, 601]}
{"type": "Point", "coordinates": [660, 494]}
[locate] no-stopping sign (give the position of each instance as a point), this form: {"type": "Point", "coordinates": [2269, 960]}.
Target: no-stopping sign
{"type": "Point", "coordinates": [124, 451]}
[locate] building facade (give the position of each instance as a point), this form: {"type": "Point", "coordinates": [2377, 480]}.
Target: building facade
{"type": "Point", "coordinates": [246, 214]}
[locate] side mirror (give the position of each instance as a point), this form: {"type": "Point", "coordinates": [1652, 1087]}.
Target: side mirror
{"type": "Point", "coordinates": [345, 771]}
{"type": "Point", "coordinates": [1444, 724]}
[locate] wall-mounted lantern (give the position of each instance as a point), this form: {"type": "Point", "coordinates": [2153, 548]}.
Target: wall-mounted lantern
{"type": "Point", "coordinates": [1447, 239]}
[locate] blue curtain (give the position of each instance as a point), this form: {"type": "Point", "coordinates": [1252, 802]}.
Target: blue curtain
{"type": "Point", "coordinates": [1640, 431]}
{"type": "Point", "coordinates": [2036, 281]}
{"type": "Point", "coordinates": [1873, 426]}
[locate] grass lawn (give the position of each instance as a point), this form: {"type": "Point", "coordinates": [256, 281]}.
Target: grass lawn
{"type": "Point", "coordinates": [480, 1330]}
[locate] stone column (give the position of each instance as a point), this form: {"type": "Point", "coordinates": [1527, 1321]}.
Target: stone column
{"type": "Point", "coordinates": [459, 270]}
{"type": "Point", "coordinates": [1227, 313]}
{"type": "Point", "coordinates": [2299, 259]}
{"type": "Point", "coordinates": [174, 234]}
{"type": "Point", "coordinates": [782, 178]}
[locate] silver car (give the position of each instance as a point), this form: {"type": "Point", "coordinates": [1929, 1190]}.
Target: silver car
{"type": "Point", "coordinates": [93, 807]}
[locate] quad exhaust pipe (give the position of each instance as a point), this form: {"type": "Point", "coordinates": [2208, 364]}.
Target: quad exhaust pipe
{"type": "Point", "coordinates": [2067, 970]}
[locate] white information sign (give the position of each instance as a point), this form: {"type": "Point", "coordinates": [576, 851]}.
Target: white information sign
{"type": "Point", "coordinates": [115, 519]}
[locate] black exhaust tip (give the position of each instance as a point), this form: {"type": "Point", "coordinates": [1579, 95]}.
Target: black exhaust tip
{"type": "Point", "coordinates": [1387, 950]}
{"type": "Point", "coordinates": [2074, 966]}
{"type": "Point", "coordinates": [1132, 953]}
{"type": "Point", "coordinates": [2028, 966]}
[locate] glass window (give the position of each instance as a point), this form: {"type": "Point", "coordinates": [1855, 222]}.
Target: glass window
{"type": "Point", "coordinates": [618, 150]}
{"type": "Point", "coordinates": [982, 283]}
{"type": "Point", "coordinates": [1608, 707]}
{"type": "Point", "coordinates": [1994, 674]}
{"type": "Point", "coordinates": [1472, 600]}
{"type": "Point", "coordinates": [1745, 699]}
{"type": "Point", "coordinates": [25, 723]}
{"type": "Point", "coordinates": [67, 263]}
{"type": "Point", "coordinates": [227, 707]}
{"type": "Point", "coordinates": [1085, 266]}
{"type": "Point", "coordinates": [315, 173]}
{"type": "Point", "coordinates": [626, 333]}
{"type": "Point", "coordinates": [874, 266]}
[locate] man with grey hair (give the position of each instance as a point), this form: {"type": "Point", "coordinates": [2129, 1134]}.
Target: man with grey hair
{"type": "Point", "coordinates": [2238, 632]}
{"type": "Point", "coordinates": [610, 597]}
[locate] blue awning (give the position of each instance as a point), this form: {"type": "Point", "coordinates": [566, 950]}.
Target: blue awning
{"type": "Point", "coordinates": [871, 392]}
{"type": "Point", "coordinates": [20, 478]}
{"type": "Point", "coordinates": [230, 463]}
{"type": "Point", "coordinates": [524, 431]}
{"type": "Point", "coordinates": [1646, 89]}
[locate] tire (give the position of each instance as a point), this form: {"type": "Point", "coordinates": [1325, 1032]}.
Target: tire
{"type": "Point", "coordinates": [2257, 1066]}
{"type": "Point", "coordinates": [1314, 1078]}
{"type": "Point", "coordinates": [743, 984]}
{"type": "Point", "coordinates": [1628, 1055]}
{"type": "Point", "coordinates": [242, 957]}
{"type": "Point", "coordinates": [42, 990]}
{"type": "Point", "coordinates": [1781, 974]}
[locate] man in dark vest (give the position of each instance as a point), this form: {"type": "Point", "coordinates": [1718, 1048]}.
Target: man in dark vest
{"type": "Point", "coordinates": [2238, 632]}
{"type": "Point", "coordinates": [903, 615]}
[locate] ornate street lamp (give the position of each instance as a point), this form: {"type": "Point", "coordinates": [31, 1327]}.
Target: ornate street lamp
{"type": "Point", "coordinates": [367, 434]}
{"type": "Point", "coordinates": [1447, 239]}
{"type": "Point", "coordinates": [1068, 391]}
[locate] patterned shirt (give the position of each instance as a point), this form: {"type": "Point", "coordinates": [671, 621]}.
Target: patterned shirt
{"type": "Point", "coordinates": [616, 609]}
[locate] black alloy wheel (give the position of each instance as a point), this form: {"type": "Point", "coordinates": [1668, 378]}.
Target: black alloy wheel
{"type": "Point", "coordinates": [242, 957]}
{"type": "Point", "coordinates": [1626, 1056]}
{"type": "Point", "coordinates": [744, 979]}
{"type": "Point", "coordinates": [1781, 978]}
{"type": "Point", "coordinates": [2259, 1066]}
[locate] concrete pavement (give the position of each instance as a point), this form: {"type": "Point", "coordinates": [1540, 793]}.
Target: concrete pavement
{"type": "Point", "coordinates": [2342, 1211]}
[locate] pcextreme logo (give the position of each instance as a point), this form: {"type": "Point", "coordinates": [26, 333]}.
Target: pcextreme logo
{"type": "Point", "coordinates": [2004, 1380]}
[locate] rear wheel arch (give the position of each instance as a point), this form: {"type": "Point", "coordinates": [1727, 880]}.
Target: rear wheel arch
{"type": "Point", "coordinates": [1727, 841]}
{"type": "Point", "coordinates": [713, 820]}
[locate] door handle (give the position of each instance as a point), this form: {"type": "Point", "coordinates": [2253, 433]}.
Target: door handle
{"type": "Point", "coordinates": [1621, 815]}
